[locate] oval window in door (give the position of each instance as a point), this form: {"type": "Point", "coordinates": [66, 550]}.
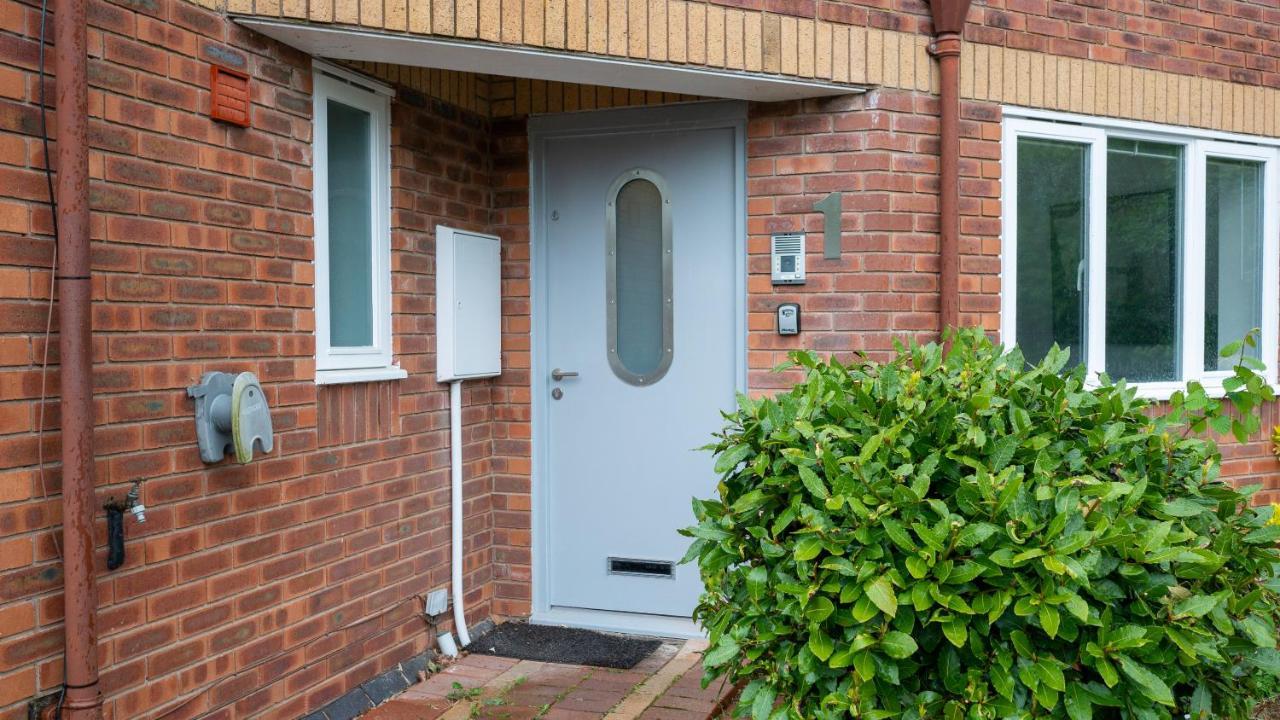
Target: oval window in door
{"type": "Point", "coordinates": [638, 277]}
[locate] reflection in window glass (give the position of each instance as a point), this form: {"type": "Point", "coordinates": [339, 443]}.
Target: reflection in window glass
{"type": "Point", "coordinates": [350, 145]}
{"type": "Point", "coordinates": [1144, 241]}
{"type": "Point", "coordinates": [1052, 237]}
{"type": "Point", "coordinates": [639, 277]}
{"type": "Point", "coordinates": [1232, 256]}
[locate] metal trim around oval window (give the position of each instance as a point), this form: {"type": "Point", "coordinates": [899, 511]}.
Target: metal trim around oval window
{"type": "Point", "coordinates": [611, 278]}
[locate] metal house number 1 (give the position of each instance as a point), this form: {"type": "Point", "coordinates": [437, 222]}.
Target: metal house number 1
{"type": "Point", "coordinates": [829, 206]}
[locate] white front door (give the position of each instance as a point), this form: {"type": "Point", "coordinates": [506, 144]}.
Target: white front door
{"type": "Point", "coordinates": [641, 348]}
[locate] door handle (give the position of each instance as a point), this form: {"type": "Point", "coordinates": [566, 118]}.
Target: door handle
{"type": "Point", "coordinates": [559, 374]}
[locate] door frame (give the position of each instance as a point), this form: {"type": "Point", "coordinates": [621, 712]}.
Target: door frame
{"type": "Point", "coordinates": [689, 116]}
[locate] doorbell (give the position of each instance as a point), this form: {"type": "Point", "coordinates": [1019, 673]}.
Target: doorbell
{"type": "Point", "coordinates": [787, 256]}
{"type": "Point", "coordinates": [789, 319]}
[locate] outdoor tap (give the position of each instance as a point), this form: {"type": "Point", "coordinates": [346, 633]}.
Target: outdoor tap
{"type": "Point", "coordinates": [134, 504]}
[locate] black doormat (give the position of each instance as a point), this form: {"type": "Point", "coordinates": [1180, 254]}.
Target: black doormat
{"type": "Point", "coordinates": [549, 643]}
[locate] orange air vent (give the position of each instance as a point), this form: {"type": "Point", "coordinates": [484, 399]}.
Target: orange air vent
{"type": "Point", "coordinates": [230, 90]}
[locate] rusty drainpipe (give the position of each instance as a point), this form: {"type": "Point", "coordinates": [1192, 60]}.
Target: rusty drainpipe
{"type": "Point", "coordinates": [82, 699]}
{"type": "Point", "coordinates": [948, 27]}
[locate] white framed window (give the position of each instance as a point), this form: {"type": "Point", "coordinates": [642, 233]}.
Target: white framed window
{"type": "Point", "coordinates": [1144, 248]}
{"type": "Point", "coordinates": [352, 176]}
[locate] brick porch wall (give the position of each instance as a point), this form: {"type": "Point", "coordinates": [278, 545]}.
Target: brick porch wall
{"type": "Point", "coordinates": [880, 151]}
{"type": "Point", "coordinates": [512, 412]}
{"type": "Point", "coordinates": [271, 588]}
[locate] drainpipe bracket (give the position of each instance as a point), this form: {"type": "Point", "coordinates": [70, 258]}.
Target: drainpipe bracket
{"type": "Point", "coordinates": [945, 44]}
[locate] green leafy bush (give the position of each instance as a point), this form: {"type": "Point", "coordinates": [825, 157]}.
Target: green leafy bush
{"type": "Point", "coordinates": [971, 538]}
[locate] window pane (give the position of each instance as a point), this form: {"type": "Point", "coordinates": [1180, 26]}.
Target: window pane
{"type": "Point", "coordinates": [1052, 237]}
{"type": "Point", "coordinates": [1144, 242]}
{"type": "Point", "coordinates": [350, 145]}
{"type": "Point", "coordinates": [1232, 256]}
{"type": "Point", "coordinates": [638, 279]}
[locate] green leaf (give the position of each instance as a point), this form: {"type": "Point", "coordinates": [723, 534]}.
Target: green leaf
{"type": "Point", "coordinates": [1195, 606]}
{"type": "Point", "coordinates": [897, 645]}
{"type": "Point", "coordinates": [1049, 619]}
{"type": "Point", "coordinates": [1182, 507]}
{"type": "Point", "coordinates": [870, 448]}
{"type": "Point", "coordinates": [865, 666]}
{"type": "Point", "coordinates": [842, 658]}
{"type": "Point", "coordinates": [1266, 659]}
{"type": "Point", "coordinates": [1108, 672]}
{"type": "Point", "coordinates": [729, 458]}
{"type": "Point", "coordinates": [898, 534]}
{"type": "Point", "coordinates": [956, 630]}
{"type": "Point", "coordinates": [708, 531]}
{"type": "Point", "coordinates": [762, 703]}
{"type": "Point", "coordinates": [863, 610]}
{"type": "Point", "coordinates": [1078, 703]}
{"type": "Point", "coordinates": [757, 581]}
{"type": "Point", "coordinates": [725, 649]}
{"type": "Point", "coordinates": [813, 483]}
{"type": "Point", "coordinates": [695, 549]}
{"type": "Point", "coordinates": [1149, 684]}
{"type": "Point", "coordinates": [1201, 703]}
{"type": "Point", "coordinates": [1179, 639]}
{"type": "Point", "coordinates": [1050, 674]}
{"type": "Point", "coordinates": [820, 644]}
{"type": "Point", "coordinates": [808, 548]}
{"type": "Point", "coordinates": [1258, 632]}
{"type": "Point", "coordinates": [820, 608]}
{"type": "Point", "coordinates": [1077, 607]}
{"type": "Point", "coordinates": [749, 501]}
{"type": "Point", "coordinates": [1022, 644]}
{"type": "Point", "coordinates": [1002, 452]}
{"type": "Point", "coordinates": [1264, 535]}
{"type": "Point", "coordinates": [975, 534]}
{"type": "Point", "coordinates": [880, 591]}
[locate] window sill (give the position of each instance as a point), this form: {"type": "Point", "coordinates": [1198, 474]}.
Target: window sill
{"type": "Point", "coordinates": [338, 377]}
{"type": "Point", "coordinates": [1162, 391]}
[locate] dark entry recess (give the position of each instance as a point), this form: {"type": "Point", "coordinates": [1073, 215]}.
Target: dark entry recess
{"type": "Point", "coordinates": [573, 646]}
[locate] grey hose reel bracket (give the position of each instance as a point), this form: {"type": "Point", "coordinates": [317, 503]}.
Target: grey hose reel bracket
{"type": "Point", "coordinates": [231, 413]}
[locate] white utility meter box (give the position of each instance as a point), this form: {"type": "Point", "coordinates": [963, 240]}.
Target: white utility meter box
{"type": "Point", "coordinates": [468, 305]}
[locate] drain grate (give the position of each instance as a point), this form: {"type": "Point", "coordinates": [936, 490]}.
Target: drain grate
{"type": "Point", "coordinates": [644, 568]}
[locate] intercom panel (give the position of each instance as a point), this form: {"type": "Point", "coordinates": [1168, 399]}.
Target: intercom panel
{"type": "Point", "coordinates": [787, 255]}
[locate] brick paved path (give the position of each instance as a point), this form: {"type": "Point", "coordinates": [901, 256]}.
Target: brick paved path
{"type": "Point", "coordinates": [664, 686]}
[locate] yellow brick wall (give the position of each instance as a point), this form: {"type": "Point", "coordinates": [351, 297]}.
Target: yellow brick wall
{"type": "Point", "coordinates": [1020, 77]}
{"type": "Point", "coordinates": [697, 33]}
{"type": "Point", "coordinates": [694, 33]}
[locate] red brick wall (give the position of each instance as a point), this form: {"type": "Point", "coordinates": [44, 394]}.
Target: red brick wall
{"type": "Point", "coordinates": [1255, 462]}
{"type": "Point", "coordinates": [270, 588]}
{"type": "Point", "coordinates": [1234, 40]}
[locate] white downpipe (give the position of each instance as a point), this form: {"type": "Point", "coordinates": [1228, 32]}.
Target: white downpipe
{"type": "Point", "coordinates": [455, 501]}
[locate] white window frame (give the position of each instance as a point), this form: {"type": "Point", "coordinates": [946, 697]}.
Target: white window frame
{"type": "Point", "coordinates": [372, 362]}
{"type": "Point", "coordinates": [1197, 147]}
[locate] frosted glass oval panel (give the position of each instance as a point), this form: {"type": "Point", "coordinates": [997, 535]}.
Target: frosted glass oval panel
{"type": "Point", "coordinates": [639, 278]}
